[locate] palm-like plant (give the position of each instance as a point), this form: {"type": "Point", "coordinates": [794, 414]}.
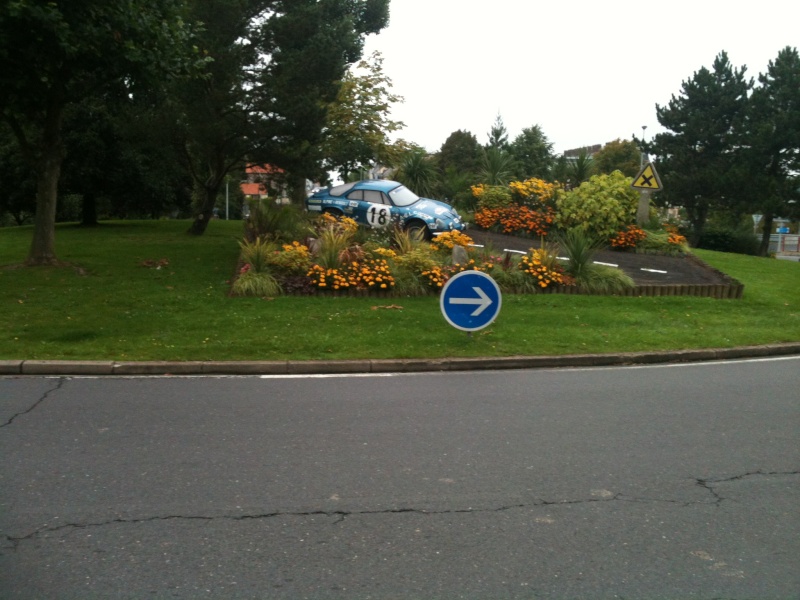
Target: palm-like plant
{"type": "Point", "coordinates": [580, 247]}
{"type": "Point", "coordinates": [496, 167]}
{"type": "Point", "coordinates": [418, 172]}
{"type": "Point", "coordinates": [580, 169]}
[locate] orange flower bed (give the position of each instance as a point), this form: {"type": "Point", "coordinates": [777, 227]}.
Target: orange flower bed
{"type": "Point", "coordinates": [372, 274]}
{"type": "Point", "coordinates": [544, 276]}
{"type": "Point", "coordinates": [515, 219]}
{"type": "Point", "coordinates": [628, 238]}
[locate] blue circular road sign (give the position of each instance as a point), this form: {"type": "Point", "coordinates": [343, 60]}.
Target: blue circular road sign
{"type": "Point", "coordinates": [470, 300]}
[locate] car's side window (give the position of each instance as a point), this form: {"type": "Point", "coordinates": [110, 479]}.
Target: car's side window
{"type": "Point", "coordinates": [356, 195]}
{"type": "Point", "coordinates": [341, 190]}
{"type": "Point", "coordinates": [374, 196]}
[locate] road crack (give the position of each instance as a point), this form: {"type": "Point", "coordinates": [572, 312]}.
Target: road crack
{"type": "Point", "coordinates": [44, 396]}
{"type": "Point", "coordinates": [711, 484]}
{"type": "Point", "coordinates": [341, 515]}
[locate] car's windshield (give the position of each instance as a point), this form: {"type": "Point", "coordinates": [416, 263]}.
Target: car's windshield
{"type": "Point", "coordinates": [402, 196]}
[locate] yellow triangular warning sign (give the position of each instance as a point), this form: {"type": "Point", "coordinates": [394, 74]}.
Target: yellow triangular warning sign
{"type": "Point", "coordinates": [647, 179]}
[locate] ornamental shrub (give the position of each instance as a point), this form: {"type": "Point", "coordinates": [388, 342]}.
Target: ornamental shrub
{"type": "Point", "coordinates": [534, 192]}
{"type": "Point", "coordinates": [724, 239]}
{"type": "Point", "coordinates": [663, 242]}
{"type": "Point", "coordinates": [491, 196]}
{"type": "Point", "coordinates": [601, 206]}
{"type": "Point", "coordinates": [291, 259]}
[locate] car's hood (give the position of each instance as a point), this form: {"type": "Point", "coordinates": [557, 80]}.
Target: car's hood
{"type": "Point", "coordinates": [440, 209]}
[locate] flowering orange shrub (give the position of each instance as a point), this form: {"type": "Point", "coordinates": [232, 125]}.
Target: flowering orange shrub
{"type": "Point", "coordinates": [343, 224]}
{"type": "Point", "coordinates": [516, 219]}
{"type": "Point", "coordinates": [533, 265]}
{"type": "Point", "coordinates": [449, 239]}
{"type": "Point", "coordinates": [674, 236]}
{"type": "Point", "coordinates": [292, 258]}
{"type": "Point", "coordinates": [477, 190]}
{"type": "Point", "coordinates": [628, 238]}
{"type": "Point", "coordinates": [371, 274]}
{"type": "Point", "coordinates": [438, 275]}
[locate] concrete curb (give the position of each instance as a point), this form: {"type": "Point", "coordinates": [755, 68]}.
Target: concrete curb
{"type": "Point", "coordinates": [325, 367]}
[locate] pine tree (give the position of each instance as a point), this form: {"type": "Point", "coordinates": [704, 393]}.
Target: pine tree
{"type": "Point", "coordinates": [696, 155]}
{"type": "Point", "coordinates": [770, 156]}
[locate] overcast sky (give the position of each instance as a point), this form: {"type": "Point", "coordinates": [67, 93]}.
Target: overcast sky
{"type": "Point", "coordinates": [585, 72]}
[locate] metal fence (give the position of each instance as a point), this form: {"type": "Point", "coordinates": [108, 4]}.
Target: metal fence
{"type": "Point", "coordinates": [784, 243]}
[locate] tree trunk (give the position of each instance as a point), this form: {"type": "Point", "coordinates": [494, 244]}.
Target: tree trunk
{"type": "Point", "coordinates": [205, 211]}
{"type": "Point", "coordinates": [43, 246]}
{"type": "Point", "coordinates": [697, 217]}
{"type": "Point", "coordinates": [766, 221]}
{"type": "Point", "coordinates": [297, 189]}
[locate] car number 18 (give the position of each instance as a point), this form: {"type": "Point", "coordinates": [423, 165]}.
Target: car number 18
{"type": "Point", "coordinates": [379, 216]}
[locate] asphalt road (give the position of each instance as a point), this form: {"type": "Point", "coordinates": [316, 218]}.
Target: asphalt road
{"type": "Point", "coordinates": [673, 481]}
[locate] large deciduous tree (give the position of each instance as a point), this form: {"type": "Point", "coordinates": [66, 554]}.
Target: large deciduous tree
{"type": "Point", "coordinates": [696, 154]}
{"type": "Point", "coordinates": [310, 44]}
{"type": "Point", "coordinates": [358, 123]}
{"type": "Point", "coordinates": [619, 155]}
{"type": "Point", "coordinates": [281, 64]}
{"type": "Point", "coordinates": [54, 54]}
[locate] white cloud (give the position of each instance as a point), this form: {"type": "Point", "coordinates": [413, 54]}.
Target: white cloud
{"type": "Point", "coordinates": [586, 72]}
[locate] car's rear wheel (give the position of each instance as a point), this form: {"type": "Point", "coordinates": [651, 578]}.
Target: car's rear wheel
{"type": "Point", "coordinates": [333, 212]}
{"type": "Point", "coordinates": [418, 230]}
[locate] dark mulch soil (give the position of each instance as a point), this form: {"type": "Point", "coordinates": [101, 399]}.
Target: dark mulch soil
{"type": "Point", "coordinates": [644, 269]}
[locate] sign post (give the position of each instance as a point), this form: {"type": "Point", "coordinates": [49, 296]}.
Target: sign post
{"type": "Point", "coordinates": [470, 300]}
{"type": "Point", "coordinates": [646, 181]}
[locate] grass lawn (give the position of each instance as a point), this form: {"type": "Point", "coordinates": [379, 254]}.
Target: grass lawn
{"type": "Point", "coordinates": [118, 305]}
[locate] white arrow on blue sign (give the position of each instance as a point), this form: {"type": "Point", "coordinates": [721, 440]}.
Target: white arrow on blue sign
{"type": "Point", "coordinates": [470, 300]}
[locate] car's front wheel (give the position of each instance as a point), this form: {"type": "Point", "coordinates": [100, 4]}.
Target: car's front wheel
{"type": "Point", "coordinates": [418, 230]}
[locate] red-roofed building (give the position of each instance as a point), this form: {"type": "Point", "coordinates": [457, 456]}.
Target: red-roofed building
{"type": "Point", "coordinates": [263, 181]}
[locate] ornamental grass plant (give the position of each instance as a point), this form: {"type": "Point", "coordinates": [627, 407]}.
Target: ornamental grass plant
{"type": "Point", "coordinates": [256, 283]}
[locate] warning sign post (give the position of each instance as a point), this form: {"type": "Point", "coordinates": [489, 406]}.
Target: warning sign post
{"type": "Point", "coordinates": [646, 181]}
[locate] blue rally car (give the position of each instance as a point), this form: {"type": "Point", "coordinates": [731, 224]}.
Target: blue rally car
{"type": "Point", "coordinates": [381, 203]}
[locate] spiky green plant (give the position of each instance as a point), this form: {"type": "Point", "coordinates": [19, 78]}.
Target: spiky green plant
{"type": "Point", "coordinates": [580, 247]}
{"type": "Point", "coordinates": [405, 241]}
{"type": "Point", "coordinates": [418, 172]}
{"type": "Point", "coordinates": [257, 253]}
{"type": "Point", "coordinates": [332, 242]}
